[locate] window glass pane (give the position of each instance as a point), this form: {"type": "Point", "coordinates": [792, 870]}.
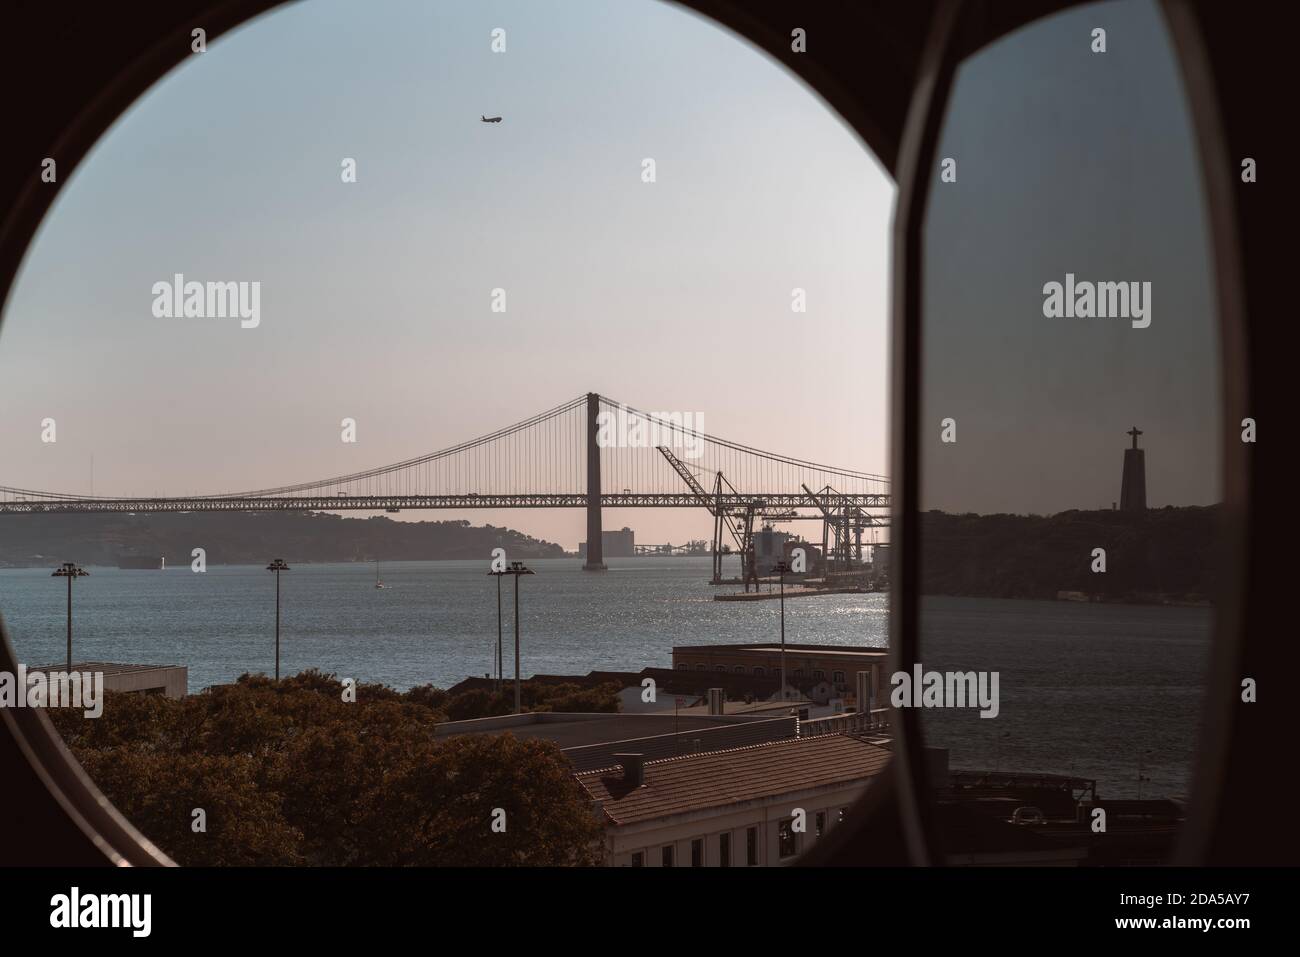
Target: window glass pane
{"type": "Point", "coordinates": [1070, 430]}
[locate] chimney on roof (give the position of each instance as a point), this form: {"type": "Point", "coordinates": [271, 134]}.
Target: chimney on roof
{"type": "Point", "coordinates": [633, 768]}
{"type": "Point", "coordinates": [717, 698]}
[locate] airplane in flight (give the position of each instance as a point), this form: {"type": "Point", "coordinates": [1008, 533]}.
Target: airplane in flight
{"type": "Point", "coordinates": [490, 119]}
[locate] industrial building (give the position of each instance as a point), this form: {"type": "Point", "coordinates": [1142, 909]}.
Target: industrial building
{"type": "Point", "coordinates": [821, 672]}
{"type": "Point", "coordinates": [171, 681]}
{"type": "Point", "coordinates": [614, 544]}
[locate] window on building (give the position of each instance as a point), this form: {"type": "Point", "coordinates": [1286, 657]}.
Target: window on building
{"type": "Point", "coordinates": [739, 669]}
{"type": "Point", "coordinates": [758, 671]}
{"type": "Point", "coordinates": [818, 674]}
{"type": "Point", "coordinates": [820, 823]}
{"type": "Point", "coordinates": [700, 667]}
{"type": "Point", "coordinates": [798, 672]}
{"type": "Point", "coordinates": [666, 855]}
{"type": "Point", "coordinates": [787, 843]}
{"type": "Point", "coordinates": [697, 852]}
{"type": "Point", "coordinates": [751, 847]}
{"type": "Point", "coordinates": [682, 666]}
{"type": "Point", "coordinates": [837, 677]}
{"type": "Point", "coordinates": [638, 859]}
{"type": "Point", "coordinates": [840, 819]}
{"type": "Point", "coordinates": [719, 667]}
{"type": "Point", "coordinates": [724, 849]}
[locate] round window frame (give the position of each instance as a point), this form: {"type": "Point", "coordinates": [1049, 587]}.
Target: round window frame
{"type": "Point", "coordinates": [899, 793]}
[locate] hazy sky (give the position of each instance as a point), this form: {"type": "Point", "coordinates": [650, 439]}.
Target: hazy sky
{"type": "Point", "coordinates": [1069, 161]}
{"type": "Point", "coordinates": [375, 299]}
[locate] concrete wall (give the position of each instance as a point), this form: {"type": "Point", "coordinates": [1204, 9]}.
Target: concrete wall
{"type": "Point", "coordinates": [172, 681]}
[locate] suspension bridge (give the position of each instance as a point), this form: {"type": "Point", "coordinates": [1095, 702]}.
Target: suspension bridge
{"type": "Point", "coordinates": [592, 453]}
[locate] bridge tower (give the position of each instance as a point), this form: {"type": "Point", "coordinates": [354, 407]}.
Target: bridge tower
{"type": "Point", "coordinates": [595, 554]}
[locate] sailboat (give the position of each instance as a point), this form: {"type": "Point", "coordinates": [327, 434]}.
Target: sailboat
{"type": "Point", "coordinates": [379, 582]}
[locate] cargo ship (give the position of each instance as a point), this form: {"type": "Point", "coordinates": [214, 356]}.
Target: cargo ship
{"type": "Point", "coordinates": [141, 561]}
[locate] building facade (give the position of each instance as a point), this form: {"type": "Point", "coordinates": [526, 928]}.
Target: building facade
{"type": "Point", "coordinates": [827, 671]}
{"type": "Point", "coordinates": [759, 806]}
{"type": "Point", "coordinates": [619, 543]}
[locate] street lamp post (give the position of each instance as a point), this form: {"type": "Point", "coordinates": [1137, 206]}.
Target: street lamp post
{"type": "Point", "coordinates": [517, 569]}
{"type": "Point", "coordinates": [781, 568]}
{"type": "Point", "coordinates": [277, 566]}
{"type": "Point", "coordinates": [997, 754]}
{"type": "Point", "coordinates": [497, 575]}
{"type": "Point", "coordinates": [69, 570]}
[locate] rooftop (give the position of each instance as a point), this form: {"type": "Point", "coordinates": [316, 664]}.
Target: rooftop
{"type": "Point", "coordinates": [574, 730]}
{"type": "Point", "coordinates": [774, 708]}
{"type": "Point", "coordinates": [106, 667]}
{"type": "Point", "coordinates": [668, 681]}
{"type": "Point", "coordinates": [846, 651]}
{"type": "Point", "coordinates": [719, 778]}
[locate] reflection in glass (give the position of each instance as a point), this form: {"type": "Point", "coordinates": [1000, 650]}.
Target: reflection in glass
{"type": "Point", "coordinates": [1069, 428]}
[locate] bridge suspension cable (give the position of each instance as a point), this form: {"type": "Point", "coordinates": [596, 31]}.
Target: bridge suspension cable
{"type": "Point", "coordinates": [540, 461]}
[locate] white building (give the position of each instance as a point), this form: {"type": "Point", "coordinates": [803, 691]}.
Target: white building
{"type": "Point", "coordinates": [756, 806]}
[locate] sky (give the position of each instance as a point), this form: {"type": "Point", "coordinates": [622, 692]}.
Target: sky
{"type": "Point", "coordinates": [376, 295]}
{"type": "Point", "coordinates": [1069, 161]}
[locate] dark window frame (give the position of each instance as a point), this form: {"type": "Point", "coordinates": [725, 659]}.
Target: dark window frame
{"type": "Point", "coordinates": [83, 827]}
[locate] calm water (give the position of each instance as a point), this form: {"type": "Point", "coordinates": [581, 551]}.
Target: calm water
{"type": "Point", "coordinates": [435, 622]}
{"type": "Point", "coordinates": [1084, 688]}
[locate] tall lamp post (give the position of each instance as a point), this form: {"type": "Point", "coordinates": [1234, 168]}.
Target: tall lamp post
{"type": "Point", "coordinates": [277, 566]}
{"type": "Point", "coordinates": [517, 569]}
{"type": "Point", "coordinates": [1142, 779]}
{"type": "Point", "coordinates": [997, 754]}
{"type": "Point", "coordinates": [497, 575]}
{"type": "Point", "coordinates": [69, 570]}
{"type": "Point", "coordinates": [781, 568]}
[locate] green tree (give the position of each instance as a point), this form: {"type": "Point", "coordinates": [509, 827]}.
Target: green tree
{"type": "Point", "coordinates": [288, 772]}
{"type": "Point", "coordinates": [159, 793]}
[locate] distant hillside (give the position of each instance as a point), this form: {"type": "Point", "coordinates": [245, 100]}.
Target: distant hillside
{"type": "Point", "coordinates": [1166, 554]}
{"type": "Point", "coordinates": [247, 537]}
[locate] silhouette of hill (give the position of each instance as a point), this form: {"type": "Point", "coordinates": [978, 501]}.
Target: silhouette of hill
{"type": "Point", "coordinates": [1160, 555]}
{"type": "Point", "coordinates": [248, 537]}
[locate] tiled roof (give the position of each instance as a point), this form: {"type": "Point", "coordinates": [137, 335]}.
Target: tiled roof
{"type": "Point", "coordinates": [719, 778]}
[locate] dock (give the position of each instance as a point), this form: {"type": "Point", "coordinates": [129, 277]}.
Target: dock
{"type": "Point", "coordinates": [793, 593]}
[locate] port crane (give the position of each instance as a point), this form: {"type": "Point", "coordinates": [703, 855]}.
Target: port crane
{"type": "Point", "coordinates": [737, 520]}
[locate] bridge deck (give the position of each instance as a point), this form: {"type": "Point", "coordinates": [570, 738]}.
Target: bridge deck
{"type": "Point", "coordinates": [379, 503]}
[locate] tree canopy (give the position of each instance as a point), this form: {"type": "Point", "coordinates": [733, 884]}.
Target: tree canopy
{"type": "Point", "coordinates": [289, 772]}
